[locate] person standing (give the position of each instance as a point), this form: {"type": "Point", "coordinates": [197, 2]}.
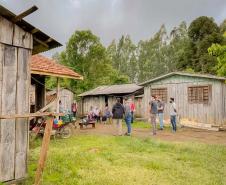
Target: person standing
{"type": "Point", "coordinates": [128, 116]}
{"type": "Point", "coordinates": [132, 107]}
{"type": "Point", "coordinates": [118, 112]}
{"type": "Point", "coordinates": [153, 111]}
{"type": "Point", "coordinates": [173, 114]}
{"type": "Point", "coordinates": [74, 108]}
{"type": "Point", "coordinates": [160, 112]}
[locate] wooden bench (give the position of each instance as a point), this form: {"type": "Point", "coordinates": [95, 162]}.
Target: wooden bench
{"type": "Point", "coordinates": [93, 123]}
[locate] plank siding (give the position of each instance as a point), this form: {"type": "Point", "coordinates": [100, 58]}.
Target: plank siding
{"type": "Point", "coordinates": [6, 31]}
{"type": "Point", "coordinates": [197, 114]}
{"type": "Point", "coordinates": [21, 38]}
{"type": "Point", "coordinates": [22, 107]}
{"type": "Point", "coordinates": [7, 150]}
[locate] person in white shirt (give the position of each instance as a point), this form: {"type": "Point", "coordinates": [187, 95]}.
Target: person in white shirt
{"type": "Point", "coordinates": [173, 114]}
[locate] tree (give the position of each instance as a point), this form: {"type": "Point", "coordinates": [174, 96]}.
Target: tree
{"type": "Point", "coordinates": [86, 55]}
{"type": "Point", "coordinates": [178, 48]}
{"type": "Point", "coordinates": [220, 52]}
{"type": "Point", "coordinates": [202, 32]}
{"type": "Point", "coordinates": [151, 56]}
{"type": "Point", "coordinates": [123, 57]}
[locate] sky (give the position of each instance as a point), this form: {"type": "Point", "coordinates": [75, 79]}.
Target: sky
{"type": "Point", "coordinates": [110, 19]}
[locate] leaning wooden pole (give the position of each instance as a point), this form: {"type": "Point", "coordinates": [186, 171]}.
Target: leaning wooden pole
{"type": "Point", "coordinates": [44, 149]}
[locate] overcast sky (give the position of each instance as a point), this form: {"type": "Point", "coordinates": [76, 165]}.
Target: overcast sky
{"type": "Point", "coordinates": [109, 19]}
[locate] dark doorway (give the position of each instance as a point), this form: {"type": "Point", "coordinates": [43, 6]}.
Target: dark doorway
{"type": "Point", "coordinates": [106, 100]}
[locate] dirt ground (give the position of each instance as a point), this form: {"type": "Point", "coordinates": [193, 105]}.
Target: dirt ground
{"type": "Point", "coordinates": [182, 135]}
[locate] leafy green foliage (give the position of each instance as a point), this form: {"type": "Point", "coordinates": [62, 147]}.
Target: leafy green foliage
{"type": "Point", "coordinates": [220, 52]}
{"type": "Point", "coordinates": [202, 32]}
{"type": "Point", "coordinates": [123, 57]}
{"type": "Point", "coordinates": [86, 55]}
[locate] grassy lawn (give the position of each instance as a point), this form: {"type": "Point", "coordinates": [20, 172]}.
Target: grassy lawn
{"type": "Point", "coordinates": [108, 160]}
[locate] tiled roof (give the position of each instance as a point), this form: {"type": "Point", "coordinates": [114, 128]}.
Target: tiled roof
{"type": "Point", "coordinates": [45, 66]}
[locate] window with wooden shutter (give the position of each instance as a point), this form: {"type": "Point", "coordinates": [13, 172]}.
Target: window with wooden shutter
{"type": "Point", "coordinates": [199, 94]}
{"type": "Point", "coordinates": [161, 93]}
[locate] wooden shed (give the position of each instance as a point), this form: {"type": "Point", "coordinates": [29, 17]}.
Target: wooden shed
{"type": "Point", "coordinates": [103, 95]}
{"type": "Point", "coordinates": [18, 41]}
{"type": "Point", "coordinates": [66, 97]}
{"type": "Point", "coordinates": [201, 99]}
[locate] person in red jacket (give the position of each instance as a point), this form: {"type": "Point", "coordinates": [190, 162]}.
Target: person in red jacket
{"type": "Point", "coordinates": [132, 108]}
{"type": "Point", "coordinates": [74, 108]}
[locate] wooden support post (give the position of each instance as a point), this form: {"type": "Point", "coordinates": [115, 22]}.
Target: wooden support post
{"type": "Point", "coordinates": [58, 96]}
{"type": "Point", "coordinates": [44, 149]}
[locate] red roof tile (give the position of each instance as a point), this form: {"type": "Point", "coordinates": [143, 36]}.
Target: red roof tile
{"type": "Point", "coordinates": [45, 66]}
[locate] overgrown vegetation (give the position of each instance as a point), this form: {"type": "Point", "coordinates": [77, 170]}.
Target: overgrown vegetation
{"type": "Point", "coordinates": [101, 160]}
{"type": "Point", "coordinates": [185, 48]}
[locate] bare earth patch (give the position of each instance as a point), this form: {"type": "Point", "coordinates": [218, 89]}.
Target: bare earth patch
{"type": "Point", "coordinates": [182, 135]}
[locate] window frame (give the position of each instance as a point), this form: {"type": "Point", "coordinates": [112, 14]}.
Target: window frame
{"type": "Point", "coordinates": [161, 95]}
{"type": "Point", "coordinates": [197, 98]}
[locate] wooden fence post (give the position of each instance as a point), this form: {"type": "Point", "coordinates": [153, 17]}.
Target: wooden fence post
{"type": "Point", "coordinates": [44, 149]}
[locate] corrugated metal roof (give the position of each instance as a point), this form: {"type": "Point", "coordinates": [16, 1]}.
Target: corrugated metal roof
{"type": "Point", "coordinates": [38, 35]}
{"type": "Point", "coordinates": [113, 89]}
{"type": "Point", "coordinates": [184, 74]}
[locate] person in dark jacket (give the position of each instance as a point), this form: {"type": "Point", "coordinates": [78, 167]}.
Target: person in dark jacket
{"type": "Point", "coordinates": [118, 112]}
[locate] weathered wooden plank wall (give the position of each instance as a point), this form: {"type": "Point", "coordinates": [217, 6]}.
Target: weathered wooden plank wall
{"type": "Point", "coordinates": [15, 51]}
{"type": "Point", "coordinates": [23, 81]}
{"type": "Point", "coordinates": [7, 150]}
{"type": "Point", "coordinates": [197, 114]}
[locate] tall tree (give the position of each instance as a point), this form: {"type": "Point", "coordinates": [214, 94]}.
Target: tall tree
{"type": "Point", "coordinates": [202, 32]}
{"type": "Point", "coordinates": [151, 56]}
{"type": "Point", "coordinates": [123, 57]}
{"type": "Point", "coordinates": [85, 54]}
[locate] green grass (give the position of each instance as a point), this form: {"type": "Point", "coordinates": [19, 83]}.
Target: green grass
{"type": "Point", "coordinates": [108, 160]}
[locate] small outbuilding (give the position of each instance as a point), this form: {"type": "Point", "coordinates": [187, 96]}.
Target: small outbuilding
{"type": "Point", "coordinates": [106, 95]}
{"type": "Point", "coordinates": [200, 99]}
{"type": "Point", "coordinates": [66, 97]}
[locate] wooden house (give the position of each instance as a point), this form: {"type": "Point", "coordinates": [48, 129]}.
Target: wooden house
{"type": "Point", "coordinates": [66, 97]}
{"type": "Point", "coordinates": [106, 95]}
{"type": "Point", "coordinates": [201, 99]}
{"type": "Point", "coordinates": [18, 41]}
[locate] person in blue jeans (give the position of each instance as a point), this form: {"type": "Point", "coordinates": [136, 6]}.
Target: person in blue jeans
{"type": "Point", "coordinates": [160, 112]}
{"type": "Point", "coordinates": [128, 117]}
{"type": "Point", "coordinates": [173, 114]}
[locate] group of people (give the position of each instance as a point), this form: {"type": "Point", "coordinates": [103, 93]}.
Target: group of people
{"type": "Point", "coordinates": [126, 110]}
{"type": "Point", "coordinates": [157, 110]}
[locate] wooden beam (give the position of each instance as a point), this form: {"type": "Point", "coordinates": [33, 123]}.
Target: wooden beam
{"type": "Point", "coordinates": [30, 115]}
{"type": "Point", "coordinates": [41, 42]}
{"type": "Point", "coordinates": [24, 14]}
{"type": "Point", "coordinates": [55, 75]}
{"type": "Point", "coordinates": [35, 30]}
{"type": "Point", "coordinates": [48, 40]}
{"type": "Point", "coordinates": [44, 150]}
